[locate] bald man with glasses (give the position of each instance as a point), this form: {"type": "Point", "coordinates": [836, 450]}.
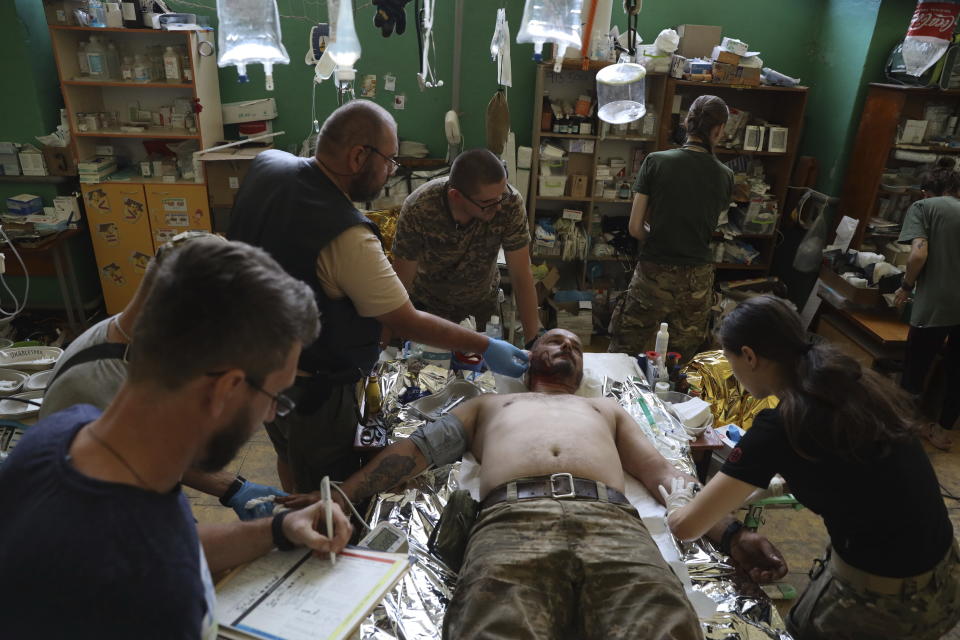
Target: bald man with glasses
{"type": "Point", "coordinates": [448, 236]}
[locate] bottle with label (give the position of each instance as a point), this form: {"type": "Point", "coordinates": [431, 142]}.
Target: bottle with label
{"type": "Point", "coordinates": [113, 62]}
{"type": "Point", "coordinates": [132, 14]}
{"type": "Point", "coordinates": [171, 65]}
{"type": "Point", "coordinates": [494, 330]}
{"type": "Point", "coordinates": [98, 13]}
{"type": "Point", "coordinates": [97, 59]}
{"type": "Point", "coordinates": [126, 69]}
{"type": "Point", "coordinates": [374, 400]}
{"type": "Point", "coordinates": [82, 60]}
{"type": "Point", "coordinates": [141, 69]}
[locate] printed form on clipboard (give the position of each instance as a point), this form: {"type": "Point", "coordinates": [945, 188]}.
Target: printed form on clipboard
{"type": "Point", "coordinates": [296, 595]}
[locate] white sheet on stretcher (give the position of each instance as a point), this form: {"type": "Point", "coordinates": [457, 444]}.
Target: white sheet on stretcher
{"type": "Point", "coordinates": [617, 366]}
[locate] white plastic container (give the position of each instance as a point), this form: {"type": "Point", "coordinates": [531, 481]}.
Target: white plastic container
{"type": "Point", "coordinates": [621, 93]}
{"type": "Point", "coordinates": [171, 65]}
{"type": "Point", "coordinates": [663, 339]}
{"type": "Point", "coordinates": [249, 33]}
{"type": "Point", "coordinates": [494, 328]}
{"type": "Point", "coordinates": [96, 59]}
{"type": "Point", "coordinates": [141, 69]}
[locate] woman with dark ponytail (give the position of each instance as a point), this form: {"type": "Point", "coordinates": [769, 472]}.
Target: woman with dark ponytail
{"type": "Point", "coordinates": [932, 229]}
{"type": "Point", "coordinates": [680, 194]}
{"type": "Point", "coordinates": [840, 440]}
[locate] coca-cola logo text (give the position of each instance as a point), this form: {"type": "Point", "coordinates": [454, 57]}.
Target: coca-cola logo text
{"type": "Point", "coordinates": [934, 19]}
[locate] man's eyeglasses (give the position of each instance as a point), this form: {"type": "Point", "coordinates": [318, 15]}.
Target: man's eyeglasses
{"type": "Point", "coordinates": [484, 207]}
{"type": "Point", "coordinates": [394, 164]}
{"type": "Point", "coordinates": [284, 405]}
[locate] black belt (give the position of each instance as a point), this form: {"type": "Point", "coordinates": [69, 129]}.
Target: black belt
{"type": "Point", "coordinates": [558, 485]}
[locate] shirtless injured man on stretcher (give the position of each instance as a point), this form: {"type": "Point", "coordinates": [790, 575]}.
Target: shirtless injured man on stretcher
{"type": "Point", "coordinates": [557, 551]}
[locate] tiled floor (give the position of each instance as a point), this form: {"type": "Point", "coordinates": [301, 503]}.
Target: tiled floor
{"type": "Point", "coordinates": [799, 535]}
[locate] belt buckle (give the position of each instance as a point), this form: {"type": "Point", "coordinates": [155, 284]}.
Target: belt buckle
{"type": "Point", "coordinates": [554, 478]}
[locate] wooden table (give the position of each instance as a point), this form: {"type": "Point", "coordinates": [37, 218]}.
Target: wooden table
{"type": "Point", "coordinates": [865, 335]}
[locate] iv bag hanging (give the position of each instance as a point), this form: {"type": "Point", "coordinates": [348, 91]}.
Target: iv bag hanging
{"type": "Point", "coordinates": [249, 33]}
{"type": "Point", "coordinates": [556, 21]}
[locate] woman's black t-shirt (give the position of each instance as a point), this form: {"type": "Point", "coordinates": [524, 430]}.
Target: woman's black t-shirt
{"type": "Point", "coordinates": [884, 516]}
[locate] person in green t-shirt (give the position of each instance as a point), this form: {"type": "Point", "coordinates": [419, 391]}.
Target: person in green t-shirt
{"type": "Point", "coordinates": [680, 194]}
{"type": "Point", "coordinates": [932, 229]}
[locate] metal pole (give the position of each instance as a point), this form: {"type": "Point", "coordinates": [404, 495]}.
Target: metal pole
{"type": "Point", "coordinates": [457, 49]}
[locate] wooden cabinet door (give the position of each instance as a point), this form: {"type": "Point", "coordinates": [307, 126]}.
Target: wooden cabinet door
{"type": "Point", "coordinates": [176, 207]}
{"type": "Point", "coordinates": [120, 232]}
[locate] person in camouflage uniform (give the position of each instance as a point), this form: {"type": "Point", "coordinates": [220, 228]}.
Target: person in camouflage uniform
{"type": "Point", "coordinates": [677, 294]}
{"type": "Point", "coordinates": [680, 194]}
{"type": "Point", "coordinates": [448, 236]}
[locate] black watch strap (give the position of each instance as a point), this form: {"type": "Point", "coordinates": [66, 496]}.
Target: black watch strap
{"type": "Point", "coordinates": [728, 534]}
{"type": "Point", "coordinates": [906, 287]}
{"type": "Point", "coordinates": [231, 491]}
{"type": "Point", "coordinates": [280, 539]}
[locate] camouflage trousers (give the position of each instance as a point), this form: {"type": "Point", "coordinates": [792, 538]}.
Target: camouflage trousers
{"type": "Point", "coordinates": [840, 605]}
{"type": "Point", "coordinates": [546, 568]}
{"type": "Point", "coordinates": [680, 295]}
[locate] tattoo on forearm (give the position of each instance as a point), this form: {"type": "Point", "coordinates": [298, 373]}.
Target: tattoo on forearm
{"type": "Point", "coordinates": [389, 472]}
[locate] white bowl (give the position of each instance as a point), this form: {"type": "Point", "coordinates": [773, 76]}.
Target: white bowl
{"type": "Point", "coordinates": [38, 381]}
{"type": "Point", "coordinates": [30, 358]}
{"type": "Point", "coordinates": [11, 381]}
{"type": "Point", "coordinates": [10, 408]}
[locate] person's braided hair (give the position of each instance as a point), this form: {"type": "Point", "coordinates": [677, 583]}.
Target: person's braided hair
{"type": "Point", "coordinates": [704, 114]}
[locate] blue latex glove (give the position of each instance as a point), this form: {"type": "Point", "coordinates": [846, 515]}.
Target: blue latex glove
{"type": "Point", "coordinates": [505, 359]}
{"type": "Point", "coordinates": [249, 491]}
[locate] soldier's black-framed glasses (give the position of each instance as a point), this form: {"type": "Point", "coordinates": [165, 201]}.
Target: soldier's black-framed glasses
{"type": "Point", "coordinates": [393, 163]}
{"type": "Point", "coordinates": [282, 402]}
{"type": "Point", "coordinates": [484, 207]}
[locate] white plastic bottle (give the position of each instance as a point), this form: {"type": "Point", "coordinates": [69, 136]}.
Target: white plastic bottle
{"type": "Point", "coordinates": [663, 339]}
{"type": "Point", "coordinates": [171, 65]}
{"type": "Point", "coordinates": [113, 62]}
{"type": "Point", "coordinates": [494, 330]}
{"type": "Point", "coordinates": [126, 69]}
{"type": "Point", "coordinates": [141, 69]}
{"type": "Point", "coordinates": [82, 60]}
{"type": "Point", "coordinates": [97, 59]}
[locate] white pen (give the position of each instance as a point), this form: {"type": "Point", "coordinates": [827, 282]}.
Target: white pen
{"type": "Point", "coordinates": [328, 509]}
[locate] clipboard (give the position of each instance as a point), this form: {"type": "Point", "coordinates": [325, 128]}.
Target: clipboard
{"type": "Point", "coordinates": [296, 595]}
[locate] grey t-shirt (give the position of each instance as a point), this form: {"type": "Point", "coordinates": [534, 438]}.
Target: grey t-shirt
{"type": "Point", "coordinates": [937, 300]}
{"type": "Point", "coordinates": [94, 382]}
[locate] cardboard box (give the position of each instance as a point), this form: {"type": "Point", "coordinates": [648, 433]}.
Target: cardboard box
{"type": "Point", "coordinates": [225, 171]}
{"type": "Point", "coordinates": [31, 161]}
{"type": "Point", "coordinates": [749, 76]}
{"type": "Point", "coordinates": [724, 56]}
{"type": "Point", "coordinates": [578, 185]}
{"type": "Point", "coordinates": [59, 161]}
{"type": "Point", "coordinates": [724, 73]}
{"type": "Point", "coordinates": [249, 111]}
{"type": "Point", "coordinates": [24, 204]}
{"type": "Point", "coordinates": [698, 40]}
{"type": "Point", "coordinates": [61, 11]}
{"type": "Point", "coordinates": [869, 297]}
{"type": "Point", "coordinates": [546, 286]}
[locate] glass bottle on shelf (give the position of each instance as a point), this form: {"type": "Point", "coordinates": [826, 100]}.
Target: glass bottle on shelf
{"type": "Point", "coordinates": [97, 59]}
{"type": "Point", "coordinates": [546, 115]}
{"type": "Point", "coordinates": [126, 69]}
{"type": "Point", "coordinates": [113, 62]}
{"type": "Point", "coordinates": [82, 59]}
{"type": "Point", "coordinates": [185, 65]}
{"type": "Point", "coordinates": [141, 69]}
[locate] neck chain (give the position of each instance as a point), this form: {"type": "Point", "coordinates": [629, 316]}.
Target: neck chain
{"type": "Point", "coordinates": [116, 323]}
{"type": "Point", "coordinates": [119, 457]}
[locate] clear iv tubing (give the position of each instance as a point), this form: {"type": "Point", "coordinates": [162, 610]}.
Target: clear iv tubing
{"type": "Point", "coordinates": [26, 294]}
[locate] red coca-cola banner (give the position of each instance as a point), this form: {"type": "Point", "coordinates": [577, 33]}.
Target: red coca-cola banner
{"type": "Point", "coordinates": [934, 20]}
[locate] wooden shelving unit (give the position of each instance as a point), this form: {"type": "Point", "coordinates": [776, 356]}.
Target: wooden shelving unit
{"type": "Point", "coordinates": [886, 107]}
{"type": "Point", "coordinates": [130, 216]}
{"type": "Point", "coordinates": [782, 106]}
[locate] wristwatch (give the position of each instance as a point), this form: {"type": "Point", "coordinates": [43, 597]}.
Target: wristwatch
{"type": "Point", "coordinates": [728, 534]}
{"type": "Point", "coordinates": [231, 491]}
{"type": "Point", "coordinates": [906, 287]}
